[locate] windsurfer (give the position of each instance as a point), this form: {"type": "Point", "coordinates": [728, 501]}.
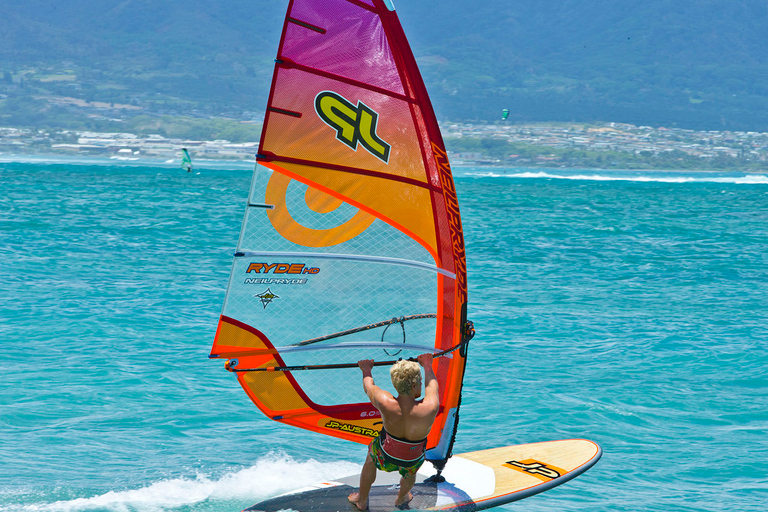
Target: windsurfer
{"type": "Point", "coordinates": [407, 422]}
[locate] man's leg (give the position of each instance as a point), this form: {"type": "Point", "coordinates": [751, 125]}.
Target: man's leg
{"type": "Point", "coordinates": [406, 484]}
{"type": "Point", "coordinates": [367, 477]}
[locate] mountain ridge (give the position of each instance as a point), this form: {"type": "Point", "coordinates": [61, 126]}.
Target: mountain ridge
{"type": "Point", "coordinates": [692, 63]}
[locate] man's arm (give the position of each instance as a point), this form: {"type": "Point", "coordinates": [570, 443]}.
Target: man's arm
{"type": "Point", "coordinates": [431, 395]}
{"type": "Point", "coordinates": [375, 394]}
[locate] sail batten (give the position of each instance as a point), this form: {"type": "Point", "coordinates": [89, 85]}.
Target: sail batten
{"type": "Point", "coordinates": [357, 221]}
{"type": "Point", "coordinates": [271, 157]}
{"type": "Point", "coordinates": [349, 257]}
{"type": "Point", "coordinates": [289, 64]}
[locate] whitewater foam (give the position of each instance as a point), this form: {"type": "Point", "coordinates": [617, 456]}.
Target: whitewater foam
{"type": "Point", "coordinates": [272, 475]}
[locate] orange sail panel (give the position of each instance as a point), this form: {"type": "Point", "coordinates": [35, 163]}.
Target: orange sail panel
{"type": "Point", "coordinates": [352, 246]}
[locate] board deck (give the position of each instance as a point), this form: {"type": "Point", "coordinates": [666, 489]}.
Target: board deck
{"type": "Point", "coordinates": [473, 481]}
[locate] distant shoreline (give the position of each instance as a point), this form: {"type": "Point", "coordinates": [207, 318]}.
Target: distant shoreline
{"type": "Point", "coordinates": [63, 158]}
{"type": "Point", "coordinates": [241, 164]}
{"type": "Point", "coordinates": [604, 145]}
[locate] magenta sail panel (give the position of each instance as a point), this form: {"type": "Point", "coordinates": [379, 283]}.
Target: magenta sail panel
{"type": "Point", "coordinates": [341, 38]}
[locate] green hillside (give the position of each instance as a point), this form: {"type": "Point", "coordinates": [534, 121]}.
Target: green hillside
{"type": "Point", "coordinates": [691, 63]}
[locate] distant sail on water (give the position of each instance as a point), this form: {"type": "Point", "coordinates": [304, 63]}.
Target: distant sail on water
{"type": "Point", "coordinates": [351, 247]}
{"type": "Point", "coordinates": [186, 160]}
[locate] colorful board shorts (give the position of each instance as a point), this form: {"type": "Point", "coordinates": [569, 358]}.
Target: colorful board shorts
{"type": "Point", "coordinates": [389, 464]}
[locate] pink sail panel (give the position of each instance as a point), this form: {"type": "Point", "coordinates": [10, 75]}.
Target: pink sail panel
{"type": "Point", "coordinates": [338, 37]}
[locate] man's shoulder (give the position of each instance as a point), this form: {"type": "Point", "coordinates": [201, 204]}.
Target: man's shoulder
{"type": "Point", "coordinates": [384, 399]}
{"type": "Point", "coordinates": [389, 401]}
{"type": "Point", "coordinates": [427, 406]}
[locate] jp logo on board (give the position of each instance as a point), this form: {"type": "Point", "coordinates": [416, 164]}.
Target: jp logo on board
{"type": "Point", "coordinates": [536, 468]}
{"type": "Point", "coordinates": [353, 123]}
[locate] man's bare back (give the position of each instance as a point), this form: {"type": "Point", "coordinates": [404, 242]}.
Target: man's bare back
{"type": "Point", "coordinates": [404, 416]}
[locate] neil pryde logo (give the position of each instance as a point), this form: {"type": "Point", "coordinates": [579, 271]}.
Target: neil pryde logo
{"type": "Point", "coordinates": [352, 123]}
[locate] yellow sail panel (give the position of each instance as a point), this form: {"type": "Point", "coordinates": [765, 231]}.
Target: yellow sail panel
{"type": "Point", "coordinates": [279, 396]}
{"type": "Point", "coordinates": [405, 206]}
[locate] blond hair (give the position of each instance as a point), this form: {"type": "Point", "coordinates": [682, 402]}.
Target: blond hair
{"type": "Point", "coordinates": [404, 375]}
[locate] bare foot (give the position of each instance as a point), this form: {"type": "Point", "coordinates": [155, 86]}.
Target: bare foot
{"type": "Point", "coordinates": [353, 498]}
{"type": "Point", "coordinates": [403, 505]}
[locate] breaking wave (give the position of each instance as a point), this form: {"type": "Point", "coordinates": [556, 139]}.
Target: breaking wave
{"type": "Point", "coordinates": [661, 177]}
{"type": "Point", "coordinates": [270, 476]}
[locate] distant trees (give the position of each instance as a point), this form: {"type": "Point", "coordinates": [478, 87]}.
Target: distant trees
{"type": "Point", "coordinates": [191, 128]}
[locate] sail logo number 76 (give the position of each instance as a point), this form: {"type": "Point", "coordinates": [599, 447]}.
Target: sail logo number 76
{"type": "Point", "coordinates": [353, 123]}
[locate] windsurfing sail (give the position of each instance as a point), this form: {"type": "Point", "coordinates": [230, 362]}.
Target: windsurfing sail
{"type": "Point", "coordinates": [186, 160]}
{"type": "Point", "coordinates": [351, 247]}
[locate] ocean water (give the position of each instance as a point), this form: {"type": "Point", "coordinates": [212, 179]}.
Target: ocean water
{"type": "Point", "coordinates": [630, 308]}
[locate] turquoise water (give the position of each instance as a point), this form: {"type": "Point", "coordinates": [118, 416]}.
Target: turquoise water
{"type": "Point", "coordinates": [629, 308]}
